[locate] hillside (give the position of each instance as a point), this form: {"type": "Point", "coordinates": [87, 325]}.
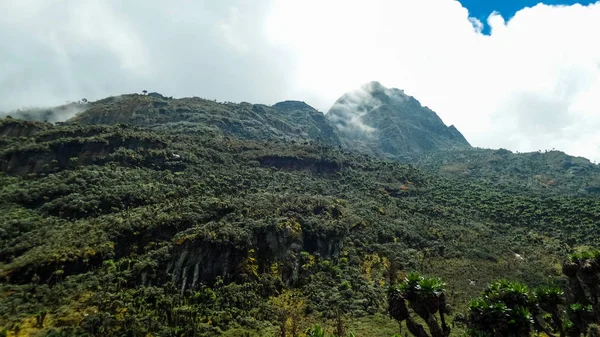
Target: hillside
{"type": "Point", "coordinates": [147, 215]}
{"type": "Point", "coordinates": [116, 230]}
{"type": "Point", "coordinates": [285, 120]}
{"type": "Point", "coordinates": [549, 172]}
{"type": "Point", "coordinates": [388, 123]}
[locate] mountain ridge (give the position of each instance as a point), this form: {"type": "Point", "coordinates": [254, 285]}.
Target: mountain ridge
{"type": "Point", "coordinates": [283, 120]}
{"type": "Point", "coordinates": [146, 215]}
{"type": "Point", "coordinates": [373, 119]}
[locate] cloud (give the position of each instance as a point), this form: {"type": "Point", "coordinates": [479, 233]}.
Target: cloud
{"type": "Point", "coordinates": [51, 114]}
{"type": "Point", "coordinates": [63, 50]}
{"type": "Point", "coordinates": [532, 84]}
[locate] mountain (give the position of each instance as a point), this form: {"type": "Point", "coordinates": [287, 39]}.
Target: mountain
{"type": "Point", "coordinates": [285, 120]}
{"type": "Point", "coordinates": [388, 123]}
{"type": "Point", "coordinates": [136, 230]}
{"type": "Point", "coordinates": [145, 215]}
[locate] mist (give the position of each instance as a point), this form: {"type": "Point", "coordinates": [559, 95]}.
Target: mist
{"type": "Point", "coordinates": [48, 114]}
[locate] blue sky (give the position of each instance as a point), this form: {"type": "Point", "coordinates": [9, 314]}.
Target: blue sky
{"type": "Point", "coordinates": [481, 9]}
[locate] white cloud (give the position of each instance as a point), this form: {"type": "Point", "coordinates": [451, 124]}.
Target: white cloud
{"type": "Point", "coordinates": [228, 29]}
{"type": "Point", "coordinates": [59, 50]}
{"type": "Point", "coordinates": [533, 84]}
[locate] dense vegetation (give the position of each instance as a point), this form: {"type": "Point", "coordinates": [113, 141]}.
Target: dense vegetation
{"type": "Point", "coordinates": [152, 216]}
{"type": "Point", "coordinates": [120, 230]}
{"type": "Point", "coordinates": [550, 172]}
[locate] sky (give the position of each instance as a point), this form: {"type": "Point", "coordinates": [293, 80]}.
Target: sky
{"type": "Point", "coordinates": [481, 9]}
{"type": "Point", "coordinates": [508, 74]}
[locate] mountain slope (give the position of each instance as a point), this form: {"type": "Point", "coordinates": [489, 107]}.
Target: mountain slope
{"type": "Point", "coordinates": [388, 123]}
{"type": "Point", "coordinates": [114, 230]}
{"type": "Point", "coordinates": [284, 120]}
{"type": "Point", "coordinates": [146, 215]}
{"type": "Point", "coordinates": [552, 172]}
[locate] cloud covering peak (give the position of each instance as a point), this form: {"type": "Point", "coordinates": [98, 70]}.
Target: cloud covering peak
{"type": "Point", "coordinates": [531, 84]}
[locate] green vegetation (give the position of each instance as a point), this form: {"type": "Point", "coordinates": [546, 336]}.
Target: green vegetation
{"type": "Point", "coordinates": [550, 172]}
{"type": "Point", "coordinates": [511, 309]}
{"type": "Point", "coordinates": [426, 298]}
{"type": "Point", "coordinates": [175, 224]}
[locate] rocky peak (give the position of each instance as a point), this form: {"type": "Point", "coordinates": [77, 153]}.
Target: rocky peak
{"type": "Point", "coordinates": [386, 121]}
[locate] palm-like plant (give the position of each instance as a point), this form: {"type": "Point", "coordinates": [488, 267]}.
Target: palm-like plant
{"type": "Point", "coordinates": [511, 309]}
{"type": "Point", "coordinates": [425, 296]}
{"type": "Point", "coordinates": [549, 299]}
{"type": "Point", "coordinates": [504, 309]}
{"type": "Point", "coordinates": [397, 304]}
{"type": "Point", "coordinates": [582, 270]}
{"type": "Point", "coordinates": [513, 294]}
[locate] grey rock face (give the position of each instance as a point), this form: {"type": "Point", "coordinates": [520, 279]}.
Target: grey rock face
{"type": "Point", "coordinates": [386, 122]}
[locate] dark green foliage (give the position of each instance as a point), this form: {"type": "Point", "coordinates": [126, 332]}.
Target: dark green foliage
{"type": "Point", "coordinates": [127, 230]}
{"type": "Point", "coordinates": [425, 297]}
{"type": "Point", "coordinates": [510, 309]}
{"type": "Point", "coordinates": [505, 309]}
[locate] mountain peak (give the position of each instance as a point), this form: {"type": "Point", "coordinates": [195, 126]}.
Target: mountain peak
{"type": "Point", "coordinates": [385, 121]}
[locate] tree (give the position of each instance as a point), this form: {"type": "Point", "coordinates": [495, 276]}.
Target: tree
{"type": "Point", "coordinates": [550, 300]}
{"type": "Point", "coordinates": [504, 309]}
{"type": "Point", "coordinates": [510, 309]}
{"type": "Point", "coordinates": [426, 298]}
{"type": "Point", "coordinates": [583, 291]}
{"type": "Point", "coordinates": [144, 92]}
{"type": "Point", "coordinates": [289, 310]}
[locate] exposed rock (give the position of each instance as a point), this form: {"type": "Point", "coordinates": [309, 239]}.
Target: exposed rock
{"type": "Point", "coordinates": [387, 122]}
{"type": "Point", "coordinates": [50, 156]}
{"type": "Point", "coordinates": [194, 262]}
{"type": "Point", "coordinates": [295, 163]}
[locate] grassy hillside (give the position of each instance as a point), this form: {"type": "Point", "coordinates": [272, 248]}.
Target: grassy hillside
{"type": "Point", "coordinates": [137, 230]}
